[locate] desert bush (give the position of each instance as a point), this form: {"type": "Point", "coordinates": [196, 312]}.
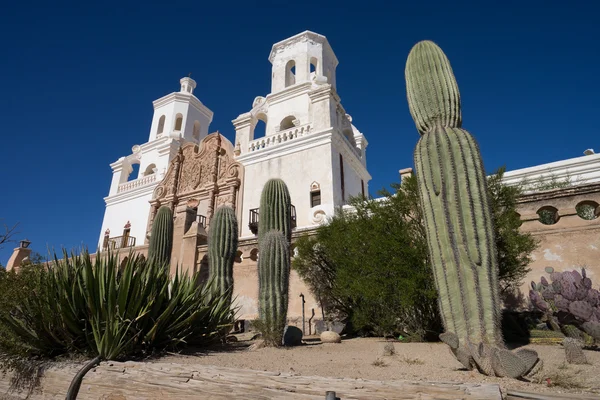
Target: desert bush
{"type": "Point", "coordinates": [369, 267]}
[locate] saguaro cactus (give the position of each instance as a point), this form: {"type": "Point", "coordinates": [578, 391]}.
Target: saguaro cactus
{"type": "Point", "coordinates": [452, 188]}
{"type": "Point", "coordinates": [222, 248]}
{"type": "Point", "coordinates": [161, 237]}
{"type": "Point", "coordinates": [275, 209]}
{"type": "Point", "coordinates": [273, 285]}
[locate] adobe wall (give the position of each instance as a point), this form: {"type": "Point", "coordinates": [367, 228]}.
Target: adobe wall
{"type": "Point", "coordinates": [245, 284]}
{"type": "Point", "coordinates": [571, 242]}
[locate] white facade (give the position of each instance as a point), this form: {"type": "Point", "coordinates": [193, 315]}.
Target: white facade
{"type": "Point", "coordinates": [308, 135]}
{"type": "Point", "coordinates": [178, 117]}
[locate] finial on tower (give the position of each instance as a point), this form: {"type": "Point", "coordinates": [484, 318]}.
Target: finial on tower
{"type": "Point", "coordinates": [187, 84]}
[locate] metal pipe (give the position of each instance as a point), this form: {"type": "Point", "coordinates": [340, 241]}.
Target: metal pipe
{"type": "Point", "coordinates": [329, 395]}
{"type": "Point", "coordinates": [303, 327]}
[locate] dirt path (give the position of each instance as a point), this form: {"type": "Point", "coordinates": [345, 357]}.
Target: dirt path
{"type": "Point", "coordinates": [420, 362]}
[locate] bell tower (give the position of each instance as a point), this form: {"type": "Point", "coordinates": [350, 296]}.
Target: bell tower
{"type": "Point", "coordinates": [309, 140]}
{"type": "Point", "coordinates": [302, 58]}
{"type": "Point", "coordinates": [180, 115]}
{"type": "Point", "coordinates": [179, 118]}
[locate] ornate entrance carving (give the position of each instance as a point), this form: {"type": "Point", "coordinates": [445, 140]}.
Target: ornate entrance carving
{"type": "Point", "coordinates": [198, 181]}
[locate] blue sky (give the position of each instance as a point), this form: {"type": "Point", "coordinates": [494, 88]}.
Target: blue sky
{"type": "Point", "coordinates": [78, 80]}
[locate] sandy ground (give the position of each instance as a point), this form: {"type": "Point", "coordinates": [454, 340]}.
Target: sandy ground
{"type": "Point", "coordinates": [363, 358]}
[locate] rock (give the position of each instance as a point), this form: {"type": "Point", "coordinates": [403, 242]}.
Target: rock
{"type": "Point", "coordinates": [292, 336]}
{"type": "Point", "coordinates": [258, 345]}
{"type": "Point", "coordinates": [330, 337]}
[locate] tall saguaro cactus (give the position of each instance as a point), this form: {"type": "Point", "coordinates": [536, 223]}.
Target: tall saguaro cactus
{"type": "Point", "coordinates": [275, 209]}
{"type": "Point", "coordinates": [161, 236]}
{"type": "Point", "coordinates": [222, 248]}
{"type": "Point", "coordinates": [274, 237]}
{"type": "Point", "coordinates": [273, 285]}
{"type": "Point", "coordinates": [452, 188]}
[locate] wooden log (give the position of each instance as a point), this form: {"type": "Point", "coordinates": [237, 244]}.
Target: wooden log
{"type": "Point", "coordinates": [161, 380]}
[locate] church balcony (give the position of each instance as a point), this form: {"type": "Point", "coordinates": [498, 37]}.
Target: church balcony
{"type": "Point", "coordinates": [254, 218]}
{"type": "Point", "coordinates": [118, 242]}
{"type": "Point", "coordinates": [136, 183]}
{"type": "Point", "coordinates": [279, 137]}
{"type": "Point", "coordinates": [201, 220]}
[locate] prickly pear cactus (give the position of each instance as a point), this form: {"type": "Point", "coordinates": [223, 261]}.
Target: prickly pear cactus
{"type": "Point", "coordinates": [161, 236]}
{"type": "Point", "coordinates": [452, 188]}
{"type": "Point", "coordinates": [222, 249]}
{"type": "Point", "coordinates": [570, 305]}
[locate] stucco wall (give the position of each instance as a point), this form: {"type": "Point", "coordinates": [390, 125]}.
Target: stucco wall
{"type": "Point", "coordinates": [570, 243]}
{"type": "Point", "coordinates": [298, 169]}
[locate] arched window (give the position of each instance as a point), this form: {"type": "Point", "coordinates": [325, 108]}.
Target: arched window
{"type": "Point", "coordinates": [135, 170]}
{"type": "Point", "coordinates": [290, 73]}
{"type": "Point", "coordinates": [150, 169]}
{"type": "Point", "coordinates": [315, 194]}
{"type": "Point", "coordinates": [196, 133]}
{"type": "Point", "coordinates": [161, 125]}
{"type": "Point", "coordinates": [178, 122]}
{"type": "Point", "coordinates": [349, 135]}
{"type": "Point", "coordinates": [287, 123]}
{"type": "Point", "coordinates": [548, 215]}
{"type": "Point", "coordinates": [313, 67]}
{"type": "Point", "coordinates": [260, 129]}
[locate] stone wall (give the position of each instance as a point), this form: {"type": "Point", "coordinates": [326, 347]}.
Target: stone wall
{"type": "Point", "coordinates": [245, 284]}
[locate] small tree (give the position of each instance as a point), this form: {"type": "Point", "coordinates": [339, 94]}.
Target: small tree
{"type": "Point", "coordinates": [514, 247]}
{"type": "Point", "coordinates": [369, 267]}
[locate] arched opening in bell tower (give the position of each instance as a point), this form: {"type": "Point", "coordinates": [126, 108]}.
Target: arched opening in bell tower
{"type": "Point", "coordinates": [313, 67]}
{"type": "Point", "coordinates": [287, 123]}
{"type": "Point", "coordinates": [196, 132]}
{"type": "Point", "coordinates": [260, 128]}
{"type": "Point", "coordinates": [161, 125]}
{"type": "Point", "coordinates": [178, 122]}
{"type": "Point", "coordinates": [290, 73]}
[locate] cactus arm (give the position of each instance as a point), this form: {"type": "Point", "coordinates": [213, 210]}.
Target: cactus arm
{"type": "Point", "coordinates": [222, 249]}
{"type": "Point", "coordinates": [161, 237]}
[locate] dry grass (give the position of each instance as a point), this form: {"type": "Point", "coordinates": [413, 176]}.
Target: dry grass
{"type": "Point", "coordinates": [379, 363]}
{"type": "Point", "coordinates": [561, 378]}
{"type": "Point", "coordinates": [413, 361]}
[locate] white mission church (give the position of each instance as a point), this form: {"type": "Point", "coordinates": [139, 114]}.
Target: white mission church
{"type": "Point", "coordinates": [193, 171]}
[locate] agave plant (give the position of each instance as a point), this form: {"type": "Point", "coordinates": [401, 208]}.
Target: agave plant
{"type": "Point", "coordinates": [107, 312]}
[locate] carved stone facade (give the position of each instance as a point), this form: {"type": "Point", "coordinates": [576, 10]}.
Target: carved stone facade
{"type": "Point", "coordinates": [199, 180]}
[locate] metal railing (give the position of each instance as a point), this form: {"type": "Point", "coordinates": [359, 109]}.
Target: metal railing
{"type": "Point", "coordinates": [254, 219]}
{"type": "Point", "coordinates": [119, 242]}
